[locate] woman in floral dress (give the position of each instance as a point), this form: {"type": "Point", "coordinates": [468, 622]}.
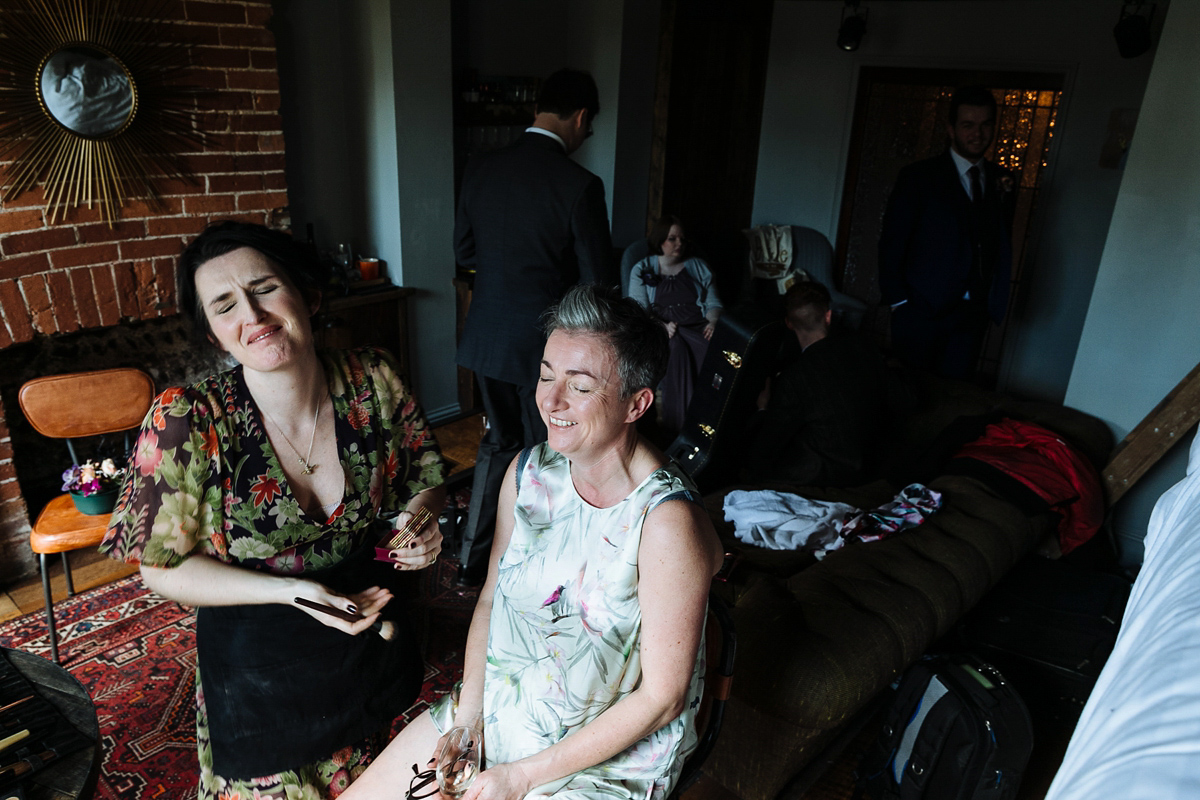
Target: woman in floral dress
{"type": "Point", "coordinates": [268, 484]}
{"type": "Point", "coordinates": [582, 666]}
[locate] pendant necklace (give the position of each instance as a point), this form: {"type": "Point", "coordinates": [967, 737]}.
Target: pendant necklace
{"type": "Point", "coordinates": [304, 460]}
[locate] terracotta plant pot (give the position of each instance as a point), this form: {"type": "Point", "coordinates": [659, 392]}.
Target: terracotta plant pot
{"type": "Point", "coordinates": [94, 504]}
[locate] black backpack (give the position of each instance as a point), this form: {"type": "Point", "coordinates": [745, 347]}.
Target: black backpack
{"type": "Point", "coordinates": [956, 730]}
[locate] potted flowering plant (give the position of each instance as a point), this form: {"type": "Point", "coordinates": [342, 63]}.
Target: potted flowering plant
{"type": "Point", "coordinates": [93, 486]}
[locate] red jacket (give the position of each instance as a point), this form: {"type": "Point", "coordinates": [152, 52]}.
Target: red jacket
{"type": "Point", "coordinates": [1053, 469]}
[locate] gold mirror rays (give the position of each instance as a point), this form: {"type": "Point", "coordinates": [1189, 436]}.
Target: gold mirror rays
{"type": "Point", "coordinates": [88, 108]}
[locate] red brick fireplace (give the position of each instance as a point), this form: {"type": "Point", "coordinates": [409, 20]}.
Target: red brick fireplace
{"type": "Point", "coordinates": [82, 295]}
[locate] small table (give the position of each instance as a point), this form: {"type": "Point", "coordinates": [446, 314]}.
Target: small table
{"type": "Point", "coordinates": [74, 776]}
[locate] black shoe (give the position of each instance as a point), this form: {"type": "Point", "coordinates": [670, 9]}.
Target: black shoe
{"type": "Point", "coordinates": [467, 579]}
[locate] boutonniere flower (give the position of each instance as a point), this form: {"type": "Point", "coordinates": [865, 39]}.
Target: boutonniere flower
{"type": "Point", "coordinates": [1004, 183]}
{"type": "Point", "coordinates": [650, 276]}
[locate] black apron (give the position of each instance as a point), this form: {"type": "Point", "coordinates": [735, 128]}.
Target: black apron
{"type": "Point", "coordinates": [282, 690]}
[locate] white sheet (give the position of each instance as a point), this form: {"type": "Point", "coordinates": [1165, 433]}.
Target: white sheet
{"type": "Point", "coordinates": [1139, 734]}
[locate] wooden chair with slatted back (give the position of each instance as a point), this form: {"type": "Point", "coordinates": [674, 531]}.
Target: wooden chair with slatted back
{"type": "Point", "coordinates": [73, 406]}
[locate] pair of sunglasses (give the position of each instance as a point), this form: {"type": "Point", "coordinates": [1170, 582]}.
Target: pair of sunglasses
{"type": "Point", "coordinates": [424, 784]}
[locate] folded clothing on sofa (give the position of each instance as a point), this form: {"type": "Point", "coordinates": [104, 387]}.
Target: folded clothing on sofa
{"type": "Point", "coordinates": [783, 521]}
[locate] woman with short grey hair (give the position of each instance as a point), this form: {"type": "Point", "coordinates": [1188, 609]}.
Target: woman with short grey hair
{"type": "Point", "coordinates": [581, 673]}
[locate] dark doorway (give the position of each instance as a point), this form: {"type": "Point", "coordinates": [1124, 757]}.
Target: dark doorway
{"type": "Point", "coordinates": [899, 118]}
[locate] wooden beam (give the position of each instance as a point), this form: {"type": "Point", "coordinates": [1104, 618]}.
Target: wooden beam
{"type": "Point", "coordinates": [1157, 433]}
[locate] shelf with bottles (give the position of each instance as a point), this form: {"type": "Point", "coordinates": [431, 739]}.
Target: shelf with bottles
{"type": "Point", "coordinates": [495, 100]}
{"type": "Point", "coordinates": [346, 273]}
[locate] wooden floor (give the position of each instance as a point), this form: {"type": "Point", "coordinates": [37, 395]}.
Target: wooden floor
{"type": "Point", "coordinates": [459, 441]}
{"type": "Point", "coordinates": [89, 568]}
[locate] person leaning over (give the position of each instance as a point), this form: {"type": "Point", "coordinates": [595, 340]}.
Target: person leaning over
{"type": "Point", "coordinates": [582, 669]}
{"type": "Point", "coordinates": [266, 486]}
{"type": "Point", "coordinates": [824, 414]}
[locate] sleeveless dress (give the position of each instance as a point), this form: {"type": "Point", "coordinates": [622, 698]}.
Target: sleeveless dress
{"type": "Point", "coordinates": [565, 632]}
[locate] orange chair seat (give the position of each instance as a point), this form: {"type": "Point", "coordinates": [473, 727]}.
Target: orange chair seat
{"type": "Point", "coordinates": [60, 527]}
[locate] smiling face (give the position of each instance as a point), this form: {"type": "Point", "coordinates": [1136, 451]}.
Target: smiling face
{"type": "Point", "coordinates": [579, 395]}
{"type": "Point", "coordinates": [972, 132]}
{"type": "Point", "coordinates": [254, 312]}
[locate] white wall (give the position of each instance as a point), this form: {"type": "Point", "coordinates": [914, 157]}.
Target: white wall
{"type": "Point", "coordinates": [809, 106]}
{"type": "Point", "coordinates": [318, 98]}
{"type": "Point", "coordinates": [1141, 336]}
{"type": "Point", "coordinates": [366, 94]}
{"type": "Point", "coordinates": [422, 120]}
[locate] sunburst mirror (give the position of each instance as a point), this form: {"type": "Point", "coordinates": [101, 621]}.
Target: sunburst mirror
{"type": "Point", "coordinates": [90, 103]}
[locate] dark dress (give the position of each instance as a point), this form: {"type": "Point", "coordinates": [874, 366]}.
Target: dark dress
{"type": "Point", "coordinates": [675, 301]}
{"type": "Point", "coordinates": [205, 480]}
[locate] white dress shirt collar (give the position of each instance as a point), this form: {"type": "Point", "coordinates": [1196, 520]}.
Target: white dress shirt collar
{"type": "Point", "coordinates": [551, 134]}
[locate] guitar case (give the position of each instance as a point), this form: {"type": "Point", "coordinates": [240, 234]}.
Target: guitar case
{"type": "Point", "coordinates": [740, 357]}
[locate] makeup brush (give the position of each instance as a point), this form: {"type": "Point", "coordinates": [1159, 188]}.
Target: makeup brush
{"type": "Point", "coordinates": [9, 741]}
{"type": "Point", "coordinates": [21, 767]}
{"type": "Point", "coordinates": [410, 530]}
{"type": "Point", "coordinates": [15, 703]}
{"type": "Point", "coordinates": [384, 628]}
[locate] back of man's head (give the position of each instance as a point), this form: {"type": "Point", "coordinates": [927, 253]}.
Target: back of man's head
{"type": "Point", "coordinates": [567, 91]}
{"type": "Point", "coordinates": [806, 307]}
{"type": "Point", "coordinates": [971, 96]}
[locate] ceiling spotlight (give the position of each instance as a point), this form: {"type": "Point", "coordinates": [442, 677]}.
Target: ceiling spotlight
{"type": "Point", "coordinates": [853, 28]}
{"type": "Point", "coordinates": [1132, 30]}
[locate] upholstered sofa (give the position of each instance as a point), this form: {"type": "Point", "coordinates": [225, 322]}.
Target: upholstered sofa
{"type": "Point", "coordinates": [818, 640]}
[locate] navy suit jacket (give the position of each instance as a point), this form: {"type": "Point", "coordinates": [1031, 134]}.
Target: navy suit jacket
{"type": "Point", "coordinates": [927, 240]}
{"type": "Point", "coordinates": [532, 223]}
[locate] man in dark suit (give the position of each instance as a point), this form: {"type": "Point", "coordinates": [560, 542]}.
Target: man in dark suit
{"type": "Point", "coordinates": [532, 223]}
{"type": "Point", "coordinates": [822, 417]}
{"type": "Point", "coordinates": [945, 250]}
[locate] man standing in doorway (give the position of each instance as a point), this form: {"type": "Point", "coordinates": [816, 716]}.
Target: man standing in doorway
{"type": "Point", "coordinates": [945, 249]}
{"type": "Point", "coordinates": [532, 223]}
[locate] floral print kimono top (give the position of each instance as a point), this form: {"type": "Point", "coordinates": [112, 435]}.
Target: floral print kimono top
{"type": "Point", "coordinates": [206, 480]}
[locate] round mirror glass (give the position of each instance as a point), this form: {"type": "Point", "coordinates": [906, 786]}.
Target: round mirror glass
{"type": "Point", "coordinates": [86, 91]}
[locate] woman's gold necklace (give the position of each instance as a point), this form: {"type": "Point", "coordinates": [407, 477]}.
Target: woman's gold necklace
{"type": "Point", "coordinates": [308, 465]}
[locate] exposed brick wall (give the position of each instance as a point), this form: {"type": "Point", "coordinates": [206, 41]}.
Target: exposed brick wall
{"type": "Point", "coordinates": [80, 273]}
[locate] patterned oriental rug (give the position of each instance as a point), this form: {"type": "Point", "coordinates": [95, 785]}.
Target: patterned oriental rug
{"type": "Point", "coordinates": [135, 654]}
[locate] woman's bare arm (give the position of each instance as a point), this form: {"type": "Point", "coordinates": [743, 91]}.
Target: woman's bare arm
{"type": "Point", "coordinates": [204, 581]}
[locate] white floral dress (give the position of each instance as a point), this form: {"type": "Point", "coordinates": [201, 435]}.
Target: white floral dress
{"type": "Point", "coordinates": [565, 633]}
